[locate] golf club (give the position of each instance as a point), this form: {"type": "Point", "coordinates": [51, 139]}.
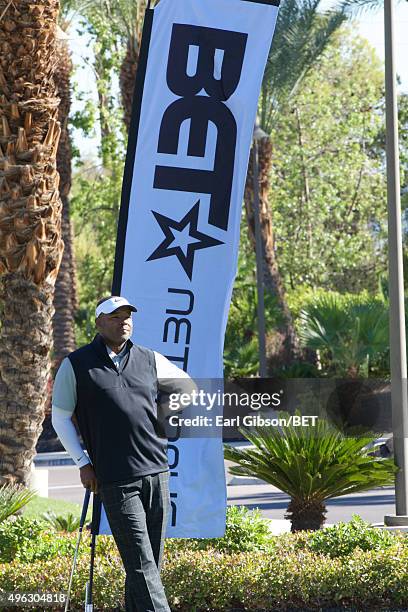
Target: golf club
{"type": "Point", "coordinates": [81, 525]}
{"type": "Point", "coordinates": [96, 517]}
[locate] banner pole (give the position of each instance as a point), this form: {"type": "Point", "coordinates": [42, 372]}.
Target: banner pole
{"type": "Point", "coordinates": [398, 361]}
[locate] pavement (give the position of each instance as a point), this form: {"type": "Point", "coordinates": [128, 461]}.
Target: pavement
{"type": "Point", "coordinates": [64, 483]}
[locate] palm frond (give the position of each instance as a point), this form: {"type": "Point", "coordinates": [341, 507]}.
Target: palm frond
{"type": "Point", "coordinates": [12, 498]}
{"type": "Point", "coordinates": [352, 332]}
{"type": "Point", "coordinates": [302, 34]}
{"type": "Point", "coordinates": [357, 7]}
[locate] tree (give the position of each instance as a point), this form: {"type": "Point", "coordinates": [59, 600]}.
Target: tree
{"type": "Point", "coordinates": [65, 295]}
{"type": "Point", "coordinates": [301, 37]}
{"type": "Point", "coordinates": [241, 349]}
{"type": "Point", "coordinates": [30, 224]}
{"type": "Point", "coordinates": [328, 187]}
{"type": "Point", "coordinates": [126, 17]}
{"type": "Point", "coordinates": [97, 21]}
{"type": "Point", "coordinates": [327, 191]}
{"type": "Point", "coordinates": [97, 183]}
{"type": "Point", "coordinates": [130, 16]}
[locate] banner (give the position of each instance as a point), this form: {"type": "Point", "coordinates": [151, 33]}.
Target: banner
{"type": "Point", "coordinates": [195, 103]}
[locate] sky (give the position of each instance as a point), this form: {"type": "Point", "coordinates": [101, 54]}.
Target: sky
{"type": "Point", "coordinates": [370, 25]}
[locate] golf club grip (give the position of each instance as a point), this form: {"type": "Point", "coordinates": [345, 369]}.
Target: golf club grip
{"type": "Point", "coordinates": [85, 507]}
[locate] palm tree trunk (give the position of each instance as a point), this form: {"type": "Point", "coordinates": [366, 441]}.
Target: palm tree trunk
{"type": "Point", "coordinates": [130, 62]}
{"type": "Point", "coordinates": [283, 345]}
{"type": "Point", "coordinates": [65, 296]}
{"type": "Point", "coordinates": [127, 78]}
{"type": "Point", "coordinates": [306, 514]}
{"type": "Point", "coordinates": [30, 225]}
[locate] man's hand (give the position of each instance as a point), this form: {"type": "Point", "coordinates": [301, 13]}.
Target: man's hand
{"type": "Point", "coordinates": [88, 477]}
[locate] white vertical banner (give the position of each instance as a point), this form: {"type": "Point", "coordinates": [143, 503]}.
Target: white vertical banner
{"type": "Point", "coordinates": [196, 95]}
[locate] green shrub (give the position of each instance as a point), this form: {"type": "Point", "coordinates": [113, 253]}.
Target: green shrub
{"type": "Point", "coordinates": [343, 538]}
{"type": "Point", "coordinates": [245, 530]}
{"type": "Point", "coordinates": [350, 565]}
{"type": "Point", "coordinates": [16, 535]}
{"type": "Point", "coordinates": [25, 539]}
{"type": "Point", "coordinates": [52, 576]}
{"type": "Point", "coordinates": [350, 333]}
{"type": "Point", "coordinates": [209, 580]}
{"type": "Point", "coordinates": [47, 546]}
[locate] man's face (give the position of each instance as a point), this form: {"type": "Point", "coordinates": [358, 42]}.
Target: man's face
{"type": "Point", "coordinates": [117, 326]}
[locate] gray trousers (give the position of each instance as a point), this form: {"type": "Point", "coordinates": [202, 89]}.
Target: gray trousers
{"type": "Point", "coordinates": [137, 511]}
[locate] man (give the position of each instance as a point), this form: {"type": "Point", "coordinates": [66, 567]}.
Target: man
{"type": "Point", "coordinates": [112, 385]}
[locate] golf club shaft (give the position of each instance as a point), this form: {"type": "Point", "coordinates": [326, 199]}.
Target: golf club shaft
{"type": "Point", "coordinates": [81, 525]}
{"type": "Point", "coordinates": [88, 606]}
{"type": "Point", "coordinates": [91, 569]}
{"type": "Point", "coordinates": [96, 517]}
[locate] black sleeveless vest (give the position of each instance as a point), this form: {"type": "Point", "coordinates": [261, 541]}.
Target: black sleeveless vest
{"type": "Point", "coordinates": [116, 412]}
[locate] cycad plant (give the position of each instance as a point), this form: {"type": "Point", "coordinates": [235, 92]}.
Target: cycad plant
{"type": "Point", "coordinates": [311, 465]}
{"type": "Point", "coordinates": [12, 498]}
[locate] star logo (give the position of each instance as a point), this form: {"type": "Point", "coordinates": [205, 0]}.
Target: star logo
{"type": "Point", "coordinates": [182, 239]}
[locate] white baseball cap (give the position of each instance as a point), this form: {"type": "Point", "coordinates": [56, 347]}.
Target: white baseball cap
{"type": "Point", "coordinates": [112, 304]}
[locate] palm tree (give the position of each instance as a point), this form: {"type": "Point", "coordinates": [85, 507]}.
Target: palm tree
{"type": "Point", "coordinates": [350, 334]}
{"type": "Point", "coordinates": [65, 296]}
{"type": "Point", "coordinates": [30, 224]}
{"type": "Point", "coordinates": [311, 465]}
{"type": "Point", "coordinates": [301, 37]}
{"type": "Point", "coordinates": [126, 18]}
{"type": "Point", "coordinates": [130, 18]}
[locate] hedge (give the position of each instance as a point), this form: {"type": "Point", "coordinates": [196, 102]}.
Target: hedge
{"type": "Point", "coordinates": [288, 575]}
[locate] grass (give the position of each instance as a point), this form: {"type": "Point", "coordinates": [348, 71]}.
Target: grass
{"type": "Point", "coordinates": [38, 505]}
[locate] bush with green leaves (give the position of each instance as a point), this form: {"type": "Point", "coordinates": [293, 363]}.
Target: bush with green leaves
{"type": "Point", "coordinates": [17, 535]}
{"type": "Point", "coordinates": [343, 538]}
{"type": "Point", "coordinates": [25, 539]}
{"type": "Point", "coordinates": [210, 580]}
{"type": "Point", "coordinates": [13, 497]}
{"type": "Point", "coordinates": [245, 530]}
